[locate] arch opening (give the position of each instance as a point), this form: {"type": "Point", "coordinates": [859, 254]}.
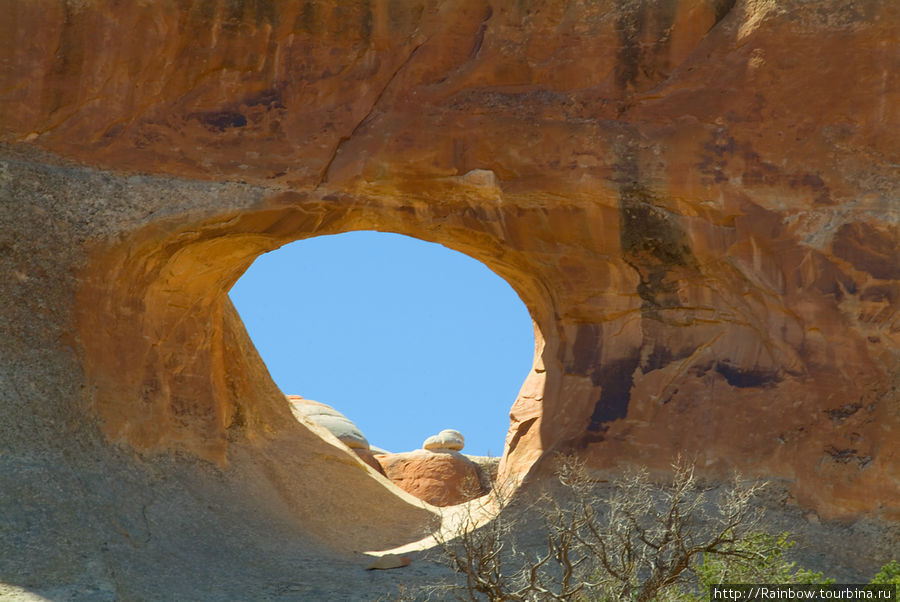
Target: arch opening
{"type": "Point", "coordinates": [180, 373]}
{"type": "Point", "coordinates": [405, 337]}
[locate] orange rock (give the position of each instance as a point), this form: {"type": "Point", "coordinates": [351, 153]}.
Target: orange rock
{"type": "Point", "coordinates": [695, 200]}
{"type": "Point", "coordinates": [439, 478]}
{"type": "Point", "coordinates": [389, 561]}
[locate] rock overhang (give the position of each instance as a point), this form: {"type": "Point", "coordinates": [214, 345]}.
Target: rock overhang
{"type": "Point", "coordinates": [700, 222]}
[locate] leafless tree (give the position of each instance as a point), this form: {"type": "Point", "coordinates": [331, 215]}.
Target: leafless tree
{"type": "Point", "coordinates": [635, 542]}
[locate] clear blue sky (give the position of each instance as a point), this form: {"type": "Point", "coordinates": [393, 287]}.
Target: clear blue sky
{"type": "Point", "coordinates": [403, 336]}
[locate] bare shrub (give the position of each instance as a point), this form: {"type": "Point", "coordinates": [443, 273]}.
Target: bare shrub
{"type": "Point", "coordinates": [636, 541]}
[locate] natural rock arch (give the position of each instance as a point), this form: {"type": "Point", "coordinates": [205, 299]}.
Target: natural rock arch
{"type": "Point", "coordinates": [178, 372]}
{"type": "Point", "coordinates": [695, 199]}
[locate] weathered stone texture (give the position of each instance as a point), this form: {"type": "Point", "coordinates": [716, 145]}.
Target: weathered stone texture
{"type": "Point", "coordinates": [442, 478]}
{"type": "Point", "coordinates": [696, 199]}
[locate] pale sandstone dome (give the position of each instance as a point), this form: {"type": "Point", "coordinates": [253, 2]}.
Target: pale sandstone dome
{"type": "Point", "coordinates": [334, 421]}
{"type": "Point", "coordinates": [447, 439]}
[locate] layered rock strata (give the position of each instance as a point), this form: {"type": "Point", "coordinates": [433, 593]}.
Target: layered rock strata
{"type": "Point", "coordinates": [695, 199]}
{"type": "Point", "coordinates": [322, 415]}
{"type": "Point", "coordinates": [442, 478]}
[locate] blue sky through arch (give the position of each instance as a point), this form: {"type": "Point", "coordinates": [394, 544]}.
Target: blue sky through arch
{"type": "Point", "coordinates": [403, 336]}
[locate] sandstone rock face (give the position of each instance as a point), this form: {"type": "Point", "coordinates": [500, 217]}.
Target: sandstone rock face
{"type": "Point", "coordinates": [446, 440]}
{"type": "Point", "coordinates": [439, 478]}
{"type": "Point", "coordinates": [368, 456]}
{"type": "Point", "coordinates": [696, 199]}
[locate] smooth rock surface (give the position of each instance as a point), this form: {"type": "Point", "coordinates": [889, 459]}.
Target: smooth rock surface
{"type": "Point", "coordinates": [446, 440]}
{"type": "Point", "coordinates": [389, 561]}
{"type": "Point", "coordinates": [334, 421]}
{"type": "Point", "coordinates": [439, 478]}
{"type": "Point", "coordinates": [696, 199]}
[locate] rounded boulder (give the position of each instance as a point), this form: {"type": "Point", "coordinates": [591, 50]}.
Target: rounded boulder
{"type": "Point", "coordinates": [446, 440]}
{"type": "Point", "coordinates": [441, 479]}
{"type": "Point", "coordinates": [327, 417]}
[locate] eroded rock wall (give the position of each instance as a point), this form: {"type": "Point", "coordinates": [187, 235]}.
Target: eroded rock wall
{"type": "Point", "coordinates": [695, 199]}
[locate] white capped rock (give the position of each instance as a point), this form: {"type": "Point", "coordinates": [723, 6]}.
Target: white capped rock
{"type": "Point", "coordinates": [327, 417]}
{"type": "Point", "coordinates": [446, 440]}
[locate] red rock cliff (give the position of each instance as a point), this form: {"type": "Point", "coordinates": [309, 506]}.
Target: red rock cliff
{"type": "Point", "coordinates": [696, 200]}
